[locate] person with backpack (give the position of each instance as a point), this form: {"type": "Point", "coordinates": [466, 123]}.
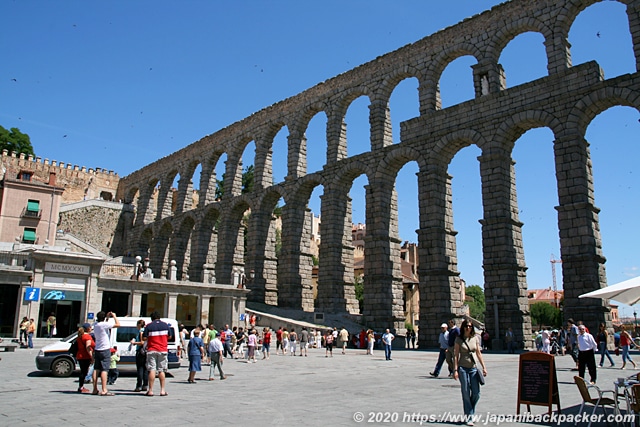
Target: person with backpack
{"type": "Point", "coordinates": [293, 341]}
{"type": "Point", "coordinates": [328, 343]}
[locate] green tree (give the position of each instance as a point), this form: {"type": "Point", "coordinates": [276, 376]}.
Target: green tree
{"type": "Point", "coordinates": [477, 306]}
{"type": "Point", "coordinates": [247, 182]}
{"type": "Point", "coordinates": [545, 314]}
{"type": "Point", "coordinates": [14, 140]}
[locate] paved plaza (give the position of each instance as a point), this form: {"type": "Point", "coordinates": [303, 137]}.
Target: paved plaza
{"type": "Point", "coordinates": [283, 391]}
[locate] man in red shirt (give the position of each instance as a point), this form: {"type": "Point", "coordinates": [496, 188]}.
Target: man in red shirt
{"type": "Point", "coordinates": [157, 335]}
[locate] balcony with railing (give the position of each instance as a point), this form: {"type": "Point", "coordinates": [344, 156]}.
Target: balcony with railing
{"type": "Point", "coordinates": [29, 213]}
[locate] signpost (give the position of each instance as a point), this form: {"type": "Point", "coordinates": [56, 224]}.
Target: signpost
{"type": "Point", "coordinates": [537, 381]}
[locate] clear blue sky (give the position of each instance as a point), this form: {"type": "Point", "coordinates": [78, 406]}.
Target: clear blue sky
{"type": "Point", "coordinates": [120, 84]}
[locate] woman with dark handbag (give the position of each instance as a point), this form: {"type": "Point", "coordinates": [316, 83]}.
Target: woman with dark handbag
{"type": "Point", "coordinates": [142, 381]}
{"type": "Point", "coordinates": [467, 362]}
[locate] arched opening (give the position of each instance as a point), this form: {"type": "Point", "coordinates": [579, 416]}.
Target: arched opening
{"type": "Point", "coordinates": [536, 187]}
{"type": "Point", "coordinates": [613, 138]}
{"type": "Point", "coordinates": [193, 196]}
{"type": "Point", "coordinates": [456, 81]}
{"type": "Point", "coordinates": [279, 156]}
{"type": "Point", "coordinates": [519, 68]}
{"type": "Point", "coordinates": [466, 191]}
{"type": "Point", "coordinates": [316, 134]}
{"type": "Point", "coordinates": [601, 33]}
{"type": "Point", "coordinates": [403, 105]}
{"type": "Point", "coordinates": [358, 127]}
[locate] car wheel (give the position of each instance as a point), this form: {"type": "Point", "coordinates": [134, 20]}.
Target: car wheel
{"type": "Point", "coordinates": [62, 368]}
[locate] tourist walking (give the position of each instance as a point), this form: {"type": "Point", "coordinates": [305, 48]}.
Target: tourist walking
{"type": "Point", "coordinates": [293, 341]}
{"type": "Point", "coordinates": [509, 339]}
{"type": "Point", "coordinates": [216, 350]}
{"type": "Point", "coordinates": [183, 341]}
{"type": "Point", "coordinates": [443, 341]}
{"type": "Point", "coordinates": [454, 332]}
{"type": "Point", "coordinates": [572, 343]}
{"type": "Point", "coordinates": [23, 330]}
{"type": "Point", "coordinates": [344, 339]}
{"type": "Point", "coordinates": [371, 340]}
{"type": "Point", "coordinates": [241, 338]}
{"type": "Point", "coordinates": [602, 340]}
{"type": "Point", "coordinates": [279, 340]}
{"type": "Point", "coordinates": [328, 344]}
{"type": "Point", "coordinates": [304, 342]}
{"type": "Point", "coordinates": [625, 343]}
{"type": "Point", "coordinates": [387, 339]}
{"type": "Point", "coordinates": [31, 329]}
{"type": "Point", "coordinates": [586, 353]}
{"type": "Point", "coordinates": [266, 343]}
{"type": "Point", "coordinates": [285, 340]}
{"type": "Point", "coordinates": [196, 354]}
{"type": "Point", "coordinates": [51, 325]}
{"type": "Point", "coordinates": [252, 342]}
{"type": "Point", "coordinates": [467, 360]}
{"type": "Point", "coordinates": [157, 335]}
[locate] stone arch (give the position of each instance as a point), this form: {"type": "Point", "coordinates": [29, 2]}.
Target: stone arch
{"type": "Point", "coordinates": [159, 257]}
{"type": "Point", "coordinates": [208, 178]}
{"type": "Point", "coordinates": [185, 200]}
{"type": "Point", "coordinates": [147, 205]}
{"type": "Point", "coordinates": [264, 175]}
{"type": "Point", "coordinates": [439, 64]}
{"type": "Point", "coordinates": [296, 261]}
{"type": "Point", "coordinates": [515, 126]}
{"type": "Point", "coordinates": [380, 115]}
{"type": "Point", "coordinates": [181, 244]}
{"type": "Point", "coordinates": [165, 194]}
{"type": "Point", "coordinates": [336, 125]}
{"type": "Point", "coordinates": [393, 161]}
{"type": "Point", "coordinates": [204, 246]}
{"type": "Point", "coordinates": [505, 34]}
{"type": "Point", "coordinates": [446, 148]}
{"type": "Point", "coordinates": [261, 258]}
{"type": "Point", "coordinates": [231, 240]}
{"type": "Point", "coordinates": [587, 108]}
{"type": "Point", "coordinates": [234, 167]}
{"type": "Point", "coordinates": [144, 243]}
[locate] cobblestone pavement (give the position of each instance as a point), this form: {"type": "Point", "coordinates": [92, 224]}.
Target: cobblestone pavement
{"type": "Point", "coordinates": [283, 391]}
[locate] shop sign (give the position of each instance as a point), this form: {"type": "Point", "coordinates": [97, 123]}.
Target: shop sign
{"type": "Point", "coordinates": [62, 295]}
{"type": "Point", "coordinates": [58, 267]}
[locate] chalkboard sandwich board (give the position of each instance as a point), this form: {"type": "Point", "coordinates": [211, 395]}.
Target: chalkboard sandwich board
{"type": "Point", "coordinates": [537, 381]}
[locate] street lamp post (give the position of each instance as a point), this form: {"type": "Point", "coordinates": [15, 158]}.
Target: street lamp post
{"type": "Point", "coordinates": [635, 319]}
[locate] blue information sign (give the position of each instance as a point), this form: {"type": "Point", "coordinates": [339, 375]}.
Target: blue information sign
{"type": "Point", "coordinates": [32, 294]}
{"type": "Point", "coordinates": [90, 315]}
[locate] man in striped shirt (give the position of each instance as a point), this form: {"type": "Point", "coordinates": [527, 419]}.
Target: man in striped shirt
{"type": "Point", "coordinates": [157, 335]}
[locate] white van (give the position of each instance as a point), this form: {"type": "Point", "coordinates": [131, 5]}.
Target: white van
{"type": "Point", "coordinates": [57, 359]}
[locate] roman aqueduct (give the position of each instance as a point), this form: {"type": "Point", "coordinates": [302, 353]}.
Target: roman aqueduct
{"type": "Point", "coordinates": [207, 237]}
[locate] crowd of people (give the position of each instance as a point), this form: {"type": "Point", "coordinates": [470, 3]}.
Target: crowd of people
{"type": "Point", "coordinates": [460, 347]}
{"type": "Point", "coordinates": [98, 359]}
